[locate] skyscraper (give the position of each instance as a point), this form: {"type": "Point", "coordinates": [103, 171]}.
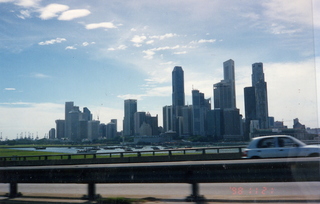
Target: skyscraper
{"type": "Point", "coordinates": [200, 106]}
{"type": "Point", "coordinates": [177, 95]}
{"type": "Point", "coordinates": [261, 95]}
{"type": "Point", "coordinates": [225, 104]}
{"type": "Point", "coordinates": [229, 78]}
{"type": "Point", "coordinates": [130, 107]}
{"type": "Point", "coordinates": [68, 108]}
{"type": "Point", "coordinates": [256, 100]}
{"type": "Point", "coordinates": [167, 118]}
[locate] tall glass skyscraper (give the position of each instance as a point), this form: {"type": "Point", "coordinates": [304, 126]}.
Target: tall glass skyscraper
{"type": "Point", "coordinates": [261, 95]}
{"type": "Point", "coordinates": [130, 107]}
{"type": "Point", "coordinates": [177, 94]}
{"type": "Point", "coordinates": [225, 104]}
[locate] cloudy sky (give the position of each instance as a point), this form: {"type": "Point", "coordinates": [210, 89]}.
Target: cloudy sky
{"type": "Point", "coordinates": [99, 53]}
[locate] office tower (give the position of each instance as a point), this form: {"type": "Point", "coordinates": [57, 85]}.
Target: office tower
{"type": "Point", "coordinates": [111, 130]}
{"type": "Point", "coordinates": [250, 109]}
{"type": "Point", "coordinates": [102, 130]}
{"type": "Point", "coordinates": [93, 129]}
{"type": "Point", "coordinates": [139, 119]}
{"type": "Point", "coordinates": [153, 122]}
{"type": "Point", "coordinates": [260, 87]}
{"type": "Point", "coordinates": [228, 71]}
{"type": "Point", "coordinates": [167, 118]}
{"type": "Point", "coordinates": [187, 127]}
{"type": "Point", "coordinates": [68, 108]}
{"type": "Point", "coordinates": [200, 107]}
{"type": "Point", "coordinates": [225, 102]}
{"type": "Point", "coordinates": [83, 130]}
{"type": "Point", "coordinates": [115, 121]}
{"type": "Point", "coordinates": [215, 124]}
{"type": "Point", "coordinates": [130, 107]}
{"type": "Point", "coordinates": [60, 129]}
{"type": "Point", "coordinates": [74, 124]}
{"type": "Point", "coordinates": [52, 133]}
{"type": "Point", "coordinates": [86, 115]}
{"type": "Point", "coordinates": [177, 95]}
{"type": "Point", "coordinates": [224, 91]}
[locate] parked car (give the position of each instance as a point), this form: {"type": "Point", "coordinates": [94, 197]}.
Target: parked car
{"type": "Point", "coordinates": [279, 146]}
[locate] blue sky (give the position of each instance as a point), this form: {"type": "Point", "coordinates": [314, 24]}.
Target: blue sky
{"type": "Point", "coordinates": [98, 53]}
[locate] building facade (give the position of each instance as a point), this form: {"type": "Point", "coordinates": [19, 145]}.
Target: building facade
{"type": "Point", "coordinates": [130, 107]}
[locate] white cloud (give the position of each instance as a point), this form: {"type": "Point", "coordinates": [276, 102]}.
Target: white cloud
{"type": "Point", "coordinates": [149, 54]}
{"type": "Point", "coordinates": [27, 3]}
{"type": "Point", "coordinates": [85, 44]}
{"type": "Point", "coordinates": [70, 48]}
{"type": "Point", "coordinates": [53, 41]}
{"type": "Point", "coordinates": [24, 14]}
{"type": "Point", "coordinates": [72, 14]}
{"type": "Point", "coordinates": [131, 96]}
{"type": "Point", "coordinates": [9, 89]}
{"type": "Point", "coordinates": [120, 47]}
{"type": "Point", "coordinates": [161, 37]}
{"type": "Point", "coordinates": [150, 42]}
{"type": "Point", "coordinates": [138, 39]}
{"type": "Point", "coordinates": [180, 53]}
{"type": "Point", "coordinates": [52, 10]}
{"type": "Point", "coordinates": [207, 41]}
{"type": "Point", "coordinates": [39, 75]}
{"type": "Point", "coordinates": [107, 25]}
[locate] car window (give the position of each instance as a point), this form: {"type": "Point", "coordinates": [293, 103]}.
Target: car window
{"type": "Point", "coordinates": [286, 142]}
{"type": "Point", "coordinates": [266, 143]}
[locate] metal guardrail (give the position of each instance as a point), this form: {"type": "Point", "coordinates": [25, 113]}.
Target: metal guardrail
{"type": "Point", "coordinates": [263, 170]}
{"type": "Point", "coordinates": [168, 152]}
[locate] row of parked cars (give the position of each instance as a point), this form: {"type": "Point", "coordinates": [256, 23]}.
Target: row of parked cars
{"type": "Point", "coordinates": [279, 146]}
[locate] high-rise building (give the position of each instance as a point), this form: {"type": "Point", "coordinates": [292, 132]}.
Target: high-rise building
{"type": "Point", "coordinates": [52, 133]}
{"type": "Point", "coordinates": [167, 118]}
{"type": "Point", "coordinates": [86, 115]}
{"type": "Point", "coordinates": [74, 124]}
{"type": "Point", "coordinates": [93, 129]}
{"type": "Point", "coordinates": [111, 130]}
{"type": "Point", "coordinates": [225, 101]}
{"type": "Point", "coordinates": [187, 129]}
{"type": "Point", "coordinates": [224, 91]}
{"type": "Point", "coordinates": [178, 100]}
{"type": "Point", "coordinates": [200, 107]}
{"type": "Point", "coordinates": [139, 119]}
{"type": "Point", "coordinates": [115, 121]}
{"type": "Point", "coordinates": [130, 107]}
{"type": "Point", "coordinates": [229, 77]}
{"type": "Point", "coordinates": [60, 129]}
{"type": "Point", "coordinates": [256, 101]}
{"type": "Point", "coordinates": [261, 95]}
{"type": "Point", "coordinates": [68, 108]}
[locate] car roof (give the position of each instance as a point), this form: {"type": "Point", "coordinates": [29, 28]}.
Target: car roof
{"type": "Point", "coordinates": [270, 136]}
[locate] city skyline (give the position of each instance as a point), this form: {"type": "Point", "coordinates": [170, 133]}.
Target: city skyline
{"type": "Point", "coordinates": [99, 54]}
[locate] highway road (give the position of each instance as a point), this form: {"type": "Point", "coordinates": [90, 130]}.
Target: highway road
{"type": "Point", "coordinates": [291, 191]}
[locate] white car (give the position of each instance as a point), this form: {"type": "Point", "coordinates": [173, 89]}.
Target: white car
{"type": "Point", "coordinates": [279, 146]}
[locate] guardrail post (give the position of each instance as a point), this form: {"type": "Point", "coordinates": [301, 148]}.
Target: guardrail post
{"type": "Point", "coordinates": [94, 156]}
{"type": "Point", "coordinates": [121, 154]}
{"type": "Point", "coordinates": [91, 191]}
{"type": "Point", "coordinates": [13, 190]}
{"type": "Point", "coordinates": [203, 151]}
{"type": "Point", "coordinates": [139, 154]}
{"type": "Point", "coordinates": [170, 153]}
{"type": "Point", "coordinates": [195, 197]}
